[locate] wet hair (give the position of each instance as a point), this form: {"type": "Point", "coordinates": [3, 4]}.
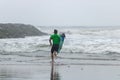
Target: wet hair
{"type": "Point", "coordinates": [55, 31]}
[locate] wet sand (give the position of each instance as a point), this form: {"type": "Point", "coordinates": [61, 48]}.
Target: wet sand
{"type": "Point", "coordinates": [59, 72]}
{"type": "Point", "coordinates": [66, 67]}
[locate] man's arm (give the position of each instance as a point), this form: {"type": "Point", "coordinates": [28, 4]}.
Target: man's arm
{"type": "Point", "coordinates": [50, 42]}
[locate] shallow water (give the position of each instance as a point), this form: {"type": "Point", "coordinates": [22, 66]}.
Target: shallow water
{"type": "Point", "coordinates": [43, 58]}
{"type": "Point", "coordinates": [24, 72]}
{"type": "Point", "coordinates": [66, 67]}
{"type": "Point", "coordinates": [59, 72]}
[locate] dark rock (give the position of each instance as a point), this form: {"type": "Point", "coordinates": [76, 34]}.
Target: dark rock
{"type": "Point", "coordinates": [18, 31]}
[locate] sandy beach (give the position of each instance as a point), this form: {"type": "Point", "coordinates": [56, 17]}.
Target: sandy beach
{"type": "Point", "coordinates": [66, 67]}
{"type": "Point", "coordinates": [59, 71]}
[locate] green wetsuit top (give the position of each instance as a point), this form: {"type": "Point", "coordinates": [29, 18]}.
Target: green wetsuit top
{"type": "Point", "coordinates": [55, 38]}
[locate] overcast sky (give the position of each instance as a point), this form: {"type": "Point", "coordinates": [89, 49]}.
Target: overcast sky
{"type": "Point", "coordinates": [61, 12]}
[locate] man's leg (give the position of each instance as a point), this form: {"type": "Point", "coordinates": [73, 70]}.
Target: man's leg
{"type": "Point", "coordinates": [56, 50]}
{"type": "Point", "coordinates": [52, 53]}
{"type": "Point", "coordinates": [52, 57]}
{"type": "Point", "coordinates": [55, 53]}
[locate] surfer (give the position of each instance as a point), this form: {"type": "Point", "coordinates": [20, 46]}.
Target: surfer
{"type": "Point", "coordinates": [54, 42]}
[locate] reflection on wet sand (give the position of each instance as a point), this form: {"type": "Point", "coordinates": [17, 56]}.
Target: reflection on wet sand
{"type": "Point", "coordinates": [4, 74]}
{"type": "Point", "coordinates": [10, 72]}
{"type": "Point", "coordinates": [54, 73]}
{"type": "Point", "coordinates": [23, 72]}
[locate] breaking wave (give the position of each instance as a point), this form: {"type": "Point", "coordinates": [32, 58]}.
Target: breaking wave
{"type": "Point", "coordinates": [78, 40]}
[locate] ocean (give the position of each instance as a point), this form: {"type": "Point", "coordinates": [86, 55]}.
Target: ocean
{"type": "Point", "coordinates": [82, 45]}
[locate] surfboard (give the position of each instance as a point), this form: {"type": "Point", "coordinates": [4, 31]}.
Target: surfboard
{"type": "Point", "coordinates": [60, 45]}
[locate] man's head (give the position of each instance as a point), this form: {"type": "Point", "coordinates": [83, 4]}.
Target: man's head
{"type": "Point", "coordinates": [55, 31]}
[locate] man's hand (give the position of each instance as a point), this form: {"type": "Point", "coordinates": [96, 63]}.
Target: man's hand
{"type": "Point", "coordinates": [50, 44]}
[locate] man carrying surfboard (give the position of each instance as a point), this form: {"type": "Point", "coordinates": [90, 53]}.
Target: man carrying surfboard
{"type": "Point", "coordinates": [54, 42]}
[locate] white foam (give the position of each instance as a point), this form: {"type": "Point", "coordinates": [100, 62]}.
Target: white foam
{"type": "Point", "coordinates": [78, 40]}
{"type": "Point", "coordinates": [27, 44]}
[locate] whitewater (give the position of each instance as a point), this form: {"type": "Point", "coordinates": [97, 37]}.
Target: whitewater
{"type": "Point", "coordinates": [81, 44]}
